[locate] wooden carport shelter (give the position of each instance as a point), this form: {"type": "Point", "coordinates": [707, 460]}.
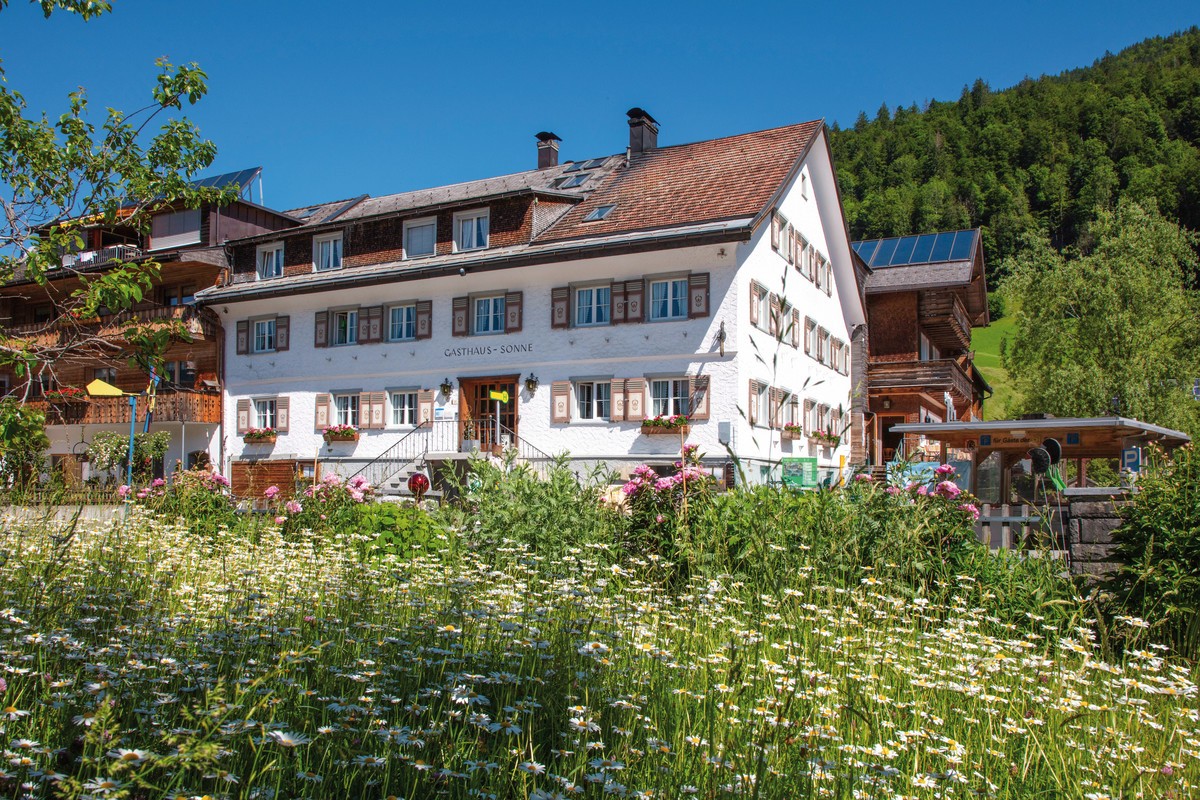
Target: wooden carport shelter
{"type": "Point", "coordinates": [1080, 438]}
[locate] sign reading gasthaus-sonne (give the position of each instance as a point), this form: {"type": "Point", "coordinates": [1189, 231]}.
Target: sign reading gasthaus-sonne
{"type": "Point", "coordinates": [488, 350]}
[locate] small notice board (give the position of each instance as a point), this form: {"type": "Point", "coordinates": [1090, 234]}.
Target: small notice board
{"type": "Point", "coordinates": [799, 473]}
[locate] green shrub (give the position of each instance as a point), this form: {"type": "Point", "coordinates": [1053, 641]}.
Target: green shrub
{"type": "Point", "coordinates": [1158, 544]}
{"type": "Point", "coordinates": [400, 530]}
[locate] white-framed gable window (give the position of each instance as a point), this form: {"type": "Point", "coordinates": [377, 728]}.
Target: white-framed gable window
{"type": "Point", "coordinates": [404, 409]}
{"type": "Point", "coordinates": [345, 409]}
{"type": "Point", "coordinates": [269, 258]}
{"type": "Point", "coordinates": [345, 327]}
{"type": "Point", "coordinates": [489, 315]}
{"type": "Point", "coordinates": [670, 396]}
{"type": "Point", "coordinates": [593, 399]}
{"type": "Point", "coordinates": [265, 413]}
{"type": "Point", "coordinates": [668, 299]}
{"type": "Point", "coordinates": [402, 323]}
{"type": "Point", "coordinates": [471, 230]}
{"type": "Point", "coordinates": [592, 305]}
{"type": "Point", "coordinates": [327, 252]}
{"type": "Point", "coordinates": [420, 237]}
{"type": "Point", "coordinates": [264, 335]}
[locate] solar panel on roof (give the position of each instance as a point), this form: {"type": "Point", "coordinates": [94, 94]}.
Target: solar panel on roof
{"type": "Point", "coordinates": [904, 248]}
{"type": "Point", "coordinates": [941, 247]}
{"type": "Point", "coordinates": [865, 249]}
{"type": "Point", "coordinates": [924, 247]}
{"type": "Point", "coordinates": [962, 246]}
{"type": "Point", "coordinates": [240, 179]}
{"type": "Point", "coordinates": [883, 256]}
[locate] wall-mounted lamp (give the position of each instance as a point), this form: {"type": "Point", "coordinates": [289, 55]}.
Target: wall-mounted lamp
{"type": "Point", "coordinates": [447, 387]}
{"type": "Point", "coordinates": [887, 404]}
{"type": "Point", "coordinates": [531, 383]}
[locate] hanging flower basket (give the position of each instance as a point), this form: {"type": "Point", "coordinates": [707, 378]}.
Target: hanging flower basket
{"type": "Point", "coordinates": [341, 433]}
{"type": "Point", "coordinates": [260, 436]}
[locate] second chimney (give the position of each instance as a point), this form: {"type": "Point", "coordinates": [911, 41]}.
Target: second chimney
{"type": "Point", "coordinates": [643, 130]}
{"type": "Point", "coordinates": [547, 149]}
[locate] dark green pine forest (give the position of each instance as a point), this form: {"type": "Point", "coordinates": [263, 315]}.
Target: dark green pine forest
{"type": "Point", "coordinates": [1045, 157]}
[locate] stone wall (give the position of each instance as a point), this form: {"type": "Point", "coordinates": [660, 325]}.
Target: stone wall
{"type": "Point", "coordinates": [1094, 515]}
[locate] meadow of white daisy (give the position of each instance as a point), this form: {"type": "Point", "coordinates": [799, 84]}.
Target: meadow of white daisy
{"type": "Point", "coordinates": [140, 660]}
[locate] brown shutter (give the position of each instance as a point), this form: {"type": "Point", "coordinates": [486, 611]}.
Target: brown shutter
{"type": "Point", "coordinates": [370, 323]}
{"type": "Point", "coordinates": [617, 399]}
{"type": "Point", "coordinates": [425, 407]}
{"type": "Point", "coordinates": [424, 319]}
{"type": "Point", "coordinates": [635, 399]}
{"type": "Point", "coordinates": [560, 401]}
{"type": "Point", "coordinates": [321, 330]}
{"type": "Point", "coordinates": [321, 417]}
{"type": "Point", "coordinates": [460, 316]}
{"type": "Point", "coordinates": [243, 337]}
{"type": "Point", "coordinates": [560, 307]}
{"type": "Point", "coordinates": [512, 312]}
{"type": "Point", "coordinates": [752, 407]}
{"type": "Point", "coordinates": [635, 291]}
{"type": "Point", "coordinates": [617, 300]}
{"type": "Point", "coordinates": [795, 327]}
{"type": "Point", "coordinates": [364, 327]}
{"type": "Point", "coordinates": [776, 310]}
{"type": "Point", "coordinates": [283, 413]}
{"type": "Point", "coordinates": [698, 295]}
{"type": "Point", "coordinates": [699, 391]}
{"type": "Point", "coordinates": [364, 410]}
{"type": "Point", "coordinates": [775, 226]}
{"type": "Point", "coordinates": [776, 407]}
{"type": "Point", "coordinates": [807, 336]}
{"type": "Point", "coordinates": [756, 291]}
{"type": "Point", "coordinates": [375, 415]}
{"type": "Point", "coordinates": [243, 416]}
{"type": "Point", "coordinates": [283, 333]}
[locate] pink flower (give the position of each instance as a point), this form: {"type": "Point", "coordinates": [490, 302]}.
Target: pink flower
{"type": "Point", "coordinates": [660, 519]}
{"type": "Point", "coordinates": [271, 492]}
{"type": "Point", "coordinates": [893, 490]}
{"type": "Point", "coordinates": [944, 469]}
{"type": "Point", "coordinates": [280, 520]}
{"type": "Point", "coordinates": [310, 618]}
{"type": "Point", "coordinates": [141, 495]}
{"type": "Point", "coordinates": [863, 477]}
{"type": "Point", "coordinates": [293, 507]}
{"type": "Point", "coordinates": [921, 490]}
{"type": "Point", "coordinates": [124, 490]}
{"type": "Point", "coordinates": [948, 489]}
{"type": "Point", "coordinates": [3, 684]}
{"type": "Point", "coordinates": [971, 509]}
{"type": "Point", "coordinates": [158, 482]}
{"type": "Point", "coordinates": [323, 516]}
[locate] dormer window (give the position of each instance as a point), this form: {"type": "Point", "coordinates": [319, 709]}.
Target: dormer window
{"type": "Point", "coordinates": [471, 230]}
{"type": "Point", "coordinates": [327, 252]}
{"type": "Point", "coordinates": [599, 212]}
{"type": "Point", "coordinates": [270, 260]}
{"type": "Point", "coordinates": [420, 237]}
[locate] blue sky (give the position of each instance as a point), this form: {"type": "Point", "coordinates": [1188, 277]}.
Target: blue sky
{"type": "Point", "coordinates": [335, 99]}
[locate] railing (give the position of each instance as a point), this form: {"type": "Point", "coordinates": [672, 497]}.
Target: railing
{"type": "Point", "coordinates": [68, 496]}
{"type": "Point", "coordinates": [945, 319]}
{"type": "Point", "coordinates": [121, 252]}
{"type": "Point", "coordinates": [198, 322]}
{"type": "Point", "coordinates": [525, 451]}
{"type": "Point", "coordinates": [412, 447]}
{"type": "Point", "coordinates": [1005, 527]}
{"type": "Point", "coordinates": [168, 407]}
{"type": "Point", "coordinates": [942, 375]}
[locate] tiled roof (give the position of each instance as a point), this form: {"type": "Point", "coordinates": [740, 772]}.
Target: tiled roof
{"type": "Point", "coordinates": [684, 184]}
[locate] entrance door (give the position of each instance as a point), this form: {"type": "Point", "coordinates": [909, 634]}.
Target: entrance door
{"type": "Point", "coordinates": [476, 404]}
{"type": "Point", "coordinates": [890, 442]}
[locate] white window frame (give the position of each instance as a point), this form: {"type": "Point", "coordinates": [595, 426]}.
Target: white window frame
{"type": "Point", "coordinates": [348, 415]}
{"type": "Point", "coordinates": [597, 394]}
{"type": "Point", "coordinates": [762, 401]}
{"type": "Point", "coordinates": [595, 307]}
{"type": "Point", "coordinates": [466, 216]}
{"type": "Point", "coordinates": [274, 248]}
{"type": "Point", "coordinates": [266, 412]}
{"type": "Point", "coordinates": [323, 239]}
{"type": "Point", "coordinates": [788, 410]}
{"type": "Point", "coordinates": [670, 396]}
{"type": "Point", "coordinates": [493, 300]}
{"type": "Point", "coordinates": [671, 282]}
{"type": "Point", "coordinates": [270, 338]}
{"type": "Point", "coordinates": [420, 223]}
{"type": "Point", "coordinates": [412, 321]}
{"type": "Point", "coordinates": [351, 315]}
{"type": "Point", "coordinates": [927, 350]}
{"type": "Point", "coordinates": [397, 412]}
{"type": "Point", "coordinates": [762, 301]}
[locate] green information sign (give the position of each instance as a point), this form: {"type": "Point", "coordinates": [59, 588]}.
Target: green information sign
{"type": "Point", "coordinates": [799, 473]}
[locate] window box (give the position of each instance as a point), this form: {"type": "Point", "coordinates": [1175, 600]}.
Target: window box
{"type": "Point", "coordinates": [66, 394]}
{"type": "Point", "coordinates": [673, 424]}
{"type": "Point", "coordinates": [260, 436]}
{"type": "Point", "coordinates": [825, 438]}
{"type": "Point", "coordinates": [340, 433]}
{"type": "Point", "coordinates": [792, 433]}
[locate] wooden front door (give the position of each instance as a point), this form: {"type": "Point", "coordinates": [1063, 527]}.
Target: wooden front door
{"type": "Point", "coordinates": [890, 441]}
{"type": "Point", "coordinates": [477, 406]}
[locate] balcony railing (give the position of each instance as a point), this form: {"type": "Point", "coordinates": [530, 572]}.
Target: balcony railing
{"type": "Point", "coordinates": [200, 324]}
{"type": "Point", "coordinates": [116, 252]}
{"type": "Point", "coordinates": [168, 407]}
{"type": "Point", "coordinates": [944, 375]}
{"type": "Point", "coordinates": [945, 320]}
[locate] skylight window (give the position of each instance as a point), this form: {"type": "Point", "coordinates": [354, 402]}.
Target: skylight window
{"type": "Point", "coordinates": [573, 166]}
{"type": "Point", "coordinates": [575, 180]}
{"type": "Point", "coordinates": [599, 212]}
{"type": "Point", "coordinates": [594, 163]}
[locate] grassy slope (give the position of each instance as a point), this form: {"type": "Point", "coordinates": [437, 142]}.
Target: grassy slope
{"type": "Point", "coordinates": [986, 344]}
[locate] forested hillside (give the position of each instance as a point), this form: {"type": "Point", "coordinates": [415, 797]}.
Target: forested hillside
{"type": "Point", "coordinates": [1047, 154]}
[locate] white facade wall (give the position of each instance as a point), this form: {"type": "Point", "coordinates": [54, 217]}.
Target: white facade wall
{"type": "Point", "coordinates": [186, 438]}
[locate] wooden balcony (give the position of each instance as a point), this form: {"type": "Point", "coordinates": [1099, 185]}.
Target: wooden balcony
{"type": "Point", "coordinates": [169, 407]}
{"type": "Point", "coordinates": [201, 324]}
{"type": "Point", "coordinates": [944, 320]}
{"type": "Point", "coordinates": [932, 377]}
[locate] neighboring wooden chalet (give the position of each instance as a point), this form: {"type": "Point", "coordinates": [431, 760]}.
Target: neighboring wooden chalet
{"type": "Point", "coordinates": [924, 294]}
{"type": "Point", "coordinates": [189, 244]}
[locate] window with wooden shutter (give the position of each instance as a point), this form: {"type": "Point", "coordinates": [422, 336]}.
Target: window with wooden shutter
{"type": "Point", "coordinates": [283, 333]}
{"type": "Point", "coordinates": [635, 292]}
{"type": "Point", "coordinates": [378, 410]}
{"type": "Point", "coordinates": [699, 402]}
{"type": "Point", "coordinates": [560, 307]}
{"type": "Point", "coordinates": [243, 416]}
{"type": "Point", "coordinates": [370, 325]}
{"type": "Point", "coordinates": [424, 319]}
{"type": "Point", "coordinates": [698, 295]}
{"type": "Point", "coordinates": [560, 401]}
{"type": "Point", "coordinates": [795, 328]}
{"type": "Point", "coordinates": [752, 403]}
{"type": "Point", "coordinates": [321, 329]}
{"type": "Point", "coordinates": [283, 414]}
{"type": "Point", "coordinates": [243, 337]}
{"type": "Point", "coordinates": [756, 292]}
{"type": "Point", "coordinates": [460, 316]}
{"type": "Point", "coordinates": [777, 226]}
{"type": "Point", "coordinates": [776, 407]}
{"type": "Point", "coordinates": [321, 412]}
{"type": "Point", "coordinates": [617, 298]}
{"type": "Point", "coordinates": [635, 399]}
{"type": "Point", "coordinates": [617, 395]}
{"type": "Point", "coordinates": [512, 312]}
{"type": "Point", "coordinates": [425, 407]}
{"type": "Point", "coordinates": [776, 311]}
{"type": "Point", "coordinates": [810, 417]}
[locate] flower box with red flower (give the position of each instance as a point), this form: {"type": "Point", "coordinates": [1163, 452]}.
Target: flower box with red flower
{"type": "Point", "coordinates": [792, 433]}
{"type": "Point", "coordinates": [341, 433]}
{"type": "Point", "coordinates": [825, 438]}
{"type": "Point", "coordinates": [665, 424]}
{"type": "Point", "coordinates": [260, 436]}
{"type": "Point", "coordinates": [66, 394]}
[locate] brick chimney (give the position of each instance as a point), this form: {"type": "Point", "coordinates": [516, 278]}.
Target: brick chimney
{"type": "Point", "coordinates": [547, 149]}
{"type": "Point", "coordinates": [643, 130]}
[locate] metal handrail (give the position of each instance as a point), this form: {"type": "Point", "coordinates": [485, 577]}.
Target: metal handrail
{"type": "Point", "coordinates": [410, 448]}
{"type": "Point", "coordinates": [525, 450]}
